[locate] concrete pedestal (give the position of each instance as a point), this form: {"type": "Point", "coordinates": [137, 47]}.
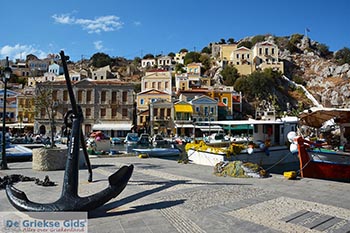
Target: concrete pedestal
{"type": "Point", "coordinates": [49, 159]}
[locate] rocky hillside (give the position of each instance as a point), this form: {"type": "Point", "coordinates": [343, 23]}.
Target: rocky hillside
{"type": "Point", "coordinates": [322, 77]}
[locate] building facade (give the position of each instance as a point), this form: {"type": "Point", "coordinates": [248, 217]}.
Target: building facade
{"type": "Point", "coordinates": [106, 105]}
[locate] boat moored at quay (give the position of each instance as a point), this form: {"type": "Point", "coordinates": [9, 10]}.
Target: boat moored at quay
{"type": "Point", "coordinates": [266, 144]}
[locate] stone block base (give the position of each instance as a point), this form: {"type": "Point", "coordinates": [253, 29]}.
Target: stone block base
{"type": "Point", "coordinates": [51, 159]}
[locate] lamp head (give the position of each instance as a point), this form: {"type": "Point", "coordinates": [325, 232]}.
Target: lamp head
{"type": "Point", "coordinates": [7, 72]}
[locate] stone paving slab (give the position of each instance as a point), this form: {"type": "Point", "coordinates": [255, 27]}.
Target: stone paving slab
{"type": "Point", "coordinates": [165, 196]}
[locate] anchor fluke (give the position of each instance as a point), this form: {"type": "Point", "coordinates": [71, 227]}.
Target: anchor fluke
{"type": "Point", "coordinates": [71, 201]}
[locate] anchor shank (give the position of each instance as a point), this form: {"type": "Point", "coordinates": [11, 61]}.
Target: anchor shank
{"type": "Point", "coordinates": [71, 175]}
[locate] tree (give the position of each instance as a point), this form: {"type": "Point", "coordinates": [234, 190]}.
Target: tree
{"type": "Point", "coordinates": [191, 57]}
{"type": "Point", "coordinates": [248, 44]}
{"type": "Point", "coordinates": [230, 40]}
{"type": "Point", "coordinates": [222, 41]}
{"type": "Point", "coordinates": [206, 61]}
{"type": "Point", "coordinates": [100, 60]}
{"type": "Point", "coordinates": [323, 49]}
{"type": "Point", "coordinates": [137, 61]}
{"type": "Point", "coordinates": [171, 54]}
{"type": "Point", "coordinates": [230, 75]}
{"type": "Point", "coordinates": [257, 39]}
{"type": "Point", "coordinates": [206, 50]}
{"type": "Point", "coordinates": [44, 100]}
{"type": "Point", "coordinates": [259, 84]}
{"type": "Point", "coordinates": [183, 50]}
{"type": "Point", "coordinates": [179, 68]}
{"type": "Point", "coordinates": [148, 56]}
{"type": "Point", "coordinates": [343, 56]}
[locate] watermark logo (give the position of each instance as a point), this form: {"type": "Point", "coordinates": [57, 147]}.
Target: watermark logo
{"type": "Point", "coordinates": [43, 222]}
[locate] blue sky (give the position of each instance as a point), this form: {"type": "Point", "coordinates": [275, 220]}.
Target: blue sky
{"type": "Point", "coordinates": [134, 28]}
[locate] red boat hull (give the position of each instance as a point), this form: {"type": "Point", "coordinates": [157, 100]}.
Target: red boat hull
{"type": "Point", "coordinates": [320, 169]}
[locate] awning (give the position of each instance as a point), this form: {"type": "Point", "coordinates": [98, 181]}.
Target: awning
{"type": "Point", "coordinates": [238, 127]}
{"type": "Point", "coordinates": [184, 125]}
{"type": "Point", "coordinates": [20, 125]}
{"type": "Point", "coordinates": [112, 126]}
{"type": "Point", "coordinates": [207, 128]}
{"type": "Point", "coordinates": [183, 108]}
{"type": "Point", "coordinates": [317, 116]}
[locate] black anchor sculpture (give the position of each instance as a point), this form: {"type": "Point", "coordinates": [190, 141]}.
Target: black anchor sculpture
{"type": "Point", "coordinates": [70, 200]}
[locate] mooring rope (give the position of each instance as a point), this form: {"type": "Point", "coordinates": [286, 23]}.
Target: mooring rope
{"type": "Point", "coordinates": [15, 178]}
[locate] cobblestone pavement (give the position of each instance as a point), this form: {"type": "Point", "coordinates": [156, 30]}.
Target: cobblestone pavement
{"type": "Point", "coordinates": [165, 196]}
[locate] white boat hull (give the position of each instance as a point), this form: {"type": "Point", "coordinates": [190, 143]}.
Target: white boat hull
{"type": "Point", "coordinates": [159, 152]}
{"type": "Point", "coordinates": [275, 155]}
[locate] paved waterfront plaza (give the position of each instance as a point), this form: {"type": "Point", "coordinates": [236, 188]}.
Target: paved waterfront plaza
{"type": "Point", "coordinates": [165, 196]}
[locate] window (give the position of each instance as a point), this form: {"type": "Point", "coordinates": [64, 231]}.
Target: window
{"type": "Point", "coordinates": [273, 51]}
{"type": "Point", "coordinates": [125, 96]}
{"type": "Point", "coordinates": [212, 109]}
{"type": "Point", "coordinates": [142, 101]}
{"type": "Point", "coordinates": [260, 51]}
{"type": "Point", "coordinates": [224, 100]}
{"type": "Point", "coordinates": [54, 95]}
{"type": "Point", "coordinates": [197, 109]}
{"type": "Point", "coordinates": [88, 96]}
{"type": "Point", "coordinates": [42, 112]}
{"type": "Point", "coordinates": [266, 51]}
{"type": "Point", "coordinates": [88, 112]}
{"type": "Point", "coordinates": [103, 112]}
{"type": "Point", "coordinates": [114, 112]}
{"type": "Point", "coordinates": [146, 85]}
{"type": "Point", "coordinates": [242, 56]}
{"type": "Point", "coordinates": [166, 85]}
{"type": "Point", "coordinates": [159, 85]}
{"type": "Point", "coordinates": [168, 112]}
{"type": "Point", "coordinates": [65, 95]}
{"type": "Point", "coordinates": [125, 112]}
{"type": "Point", "coordinates": [103, 96]}
{"type": "Point", "coordinates": [114, 97]}
{"type": "Point", "coordinates": [153, 85]}
{"type": "Point", "coordinates": [162, 111]}
{"type": "Point", "coordinates": [80, 95]}
{"type": "Point", "coordinates": [237, 56]}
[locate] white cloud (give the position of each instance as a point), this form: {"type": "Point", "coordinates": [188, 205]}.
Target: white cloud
{"type": "Point", "coordinates": [63, 19]}
{"type": "Point", "coordinates": [101, 24]}
{"type": "Point", "coordinates": [137, 23]}
{"type": "Point", "coordinates": [21, 51]}
{"type": "Point", "coordinates": [98, 45]}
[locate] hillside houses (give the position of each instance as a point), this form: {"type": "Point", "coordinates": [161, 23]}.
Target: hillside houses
{"type": "Point", "coordinates": [168, 102]}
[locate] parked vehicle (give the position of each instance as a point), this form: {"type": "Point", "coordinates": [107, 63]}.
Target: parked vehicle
{"type": "Point", "coordinates": [158, 141]}
{"type": "Point", "coordinates": [116, 141]}
{"type": "Point", "coordinates": [131, 138]}
{"type": "Point", "coordinates": [144, 139]}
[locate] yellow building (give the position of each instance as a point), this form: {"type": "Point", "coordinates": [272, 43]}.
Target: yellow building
{"type": "Point", "coordinates": [226, 51]}
{"type": "Point", "coordinates": [183, 118]}
{"type": "Point", "coordinates": [230, 98]}
{"type": "Point", "coordinates": [242, 59]}
{"type": "Point", "coordinates": [26, 110]}
{"type": "Point", "coordinates": [144, 99]}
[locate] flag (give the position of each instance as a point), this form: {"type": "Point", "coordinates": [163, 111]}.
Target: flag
{"type": "Point", "coordinates": [308, 30]}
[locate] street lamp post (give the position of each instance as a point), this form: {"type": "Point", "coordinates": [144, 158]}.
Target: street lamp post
{"type": "Point", "coordinates": [6, 77]}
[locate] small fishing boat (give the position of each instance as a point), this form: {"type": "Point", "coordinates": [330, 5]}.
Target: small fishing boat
{"type": "Point", "coordinates": [317, 159]}
{"type": "Point", "coordinates": [159, 151]}
{"type": "Point", "coordinates": [265, 145]}
{"type": "Point", "coordinates": [319, 163]}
